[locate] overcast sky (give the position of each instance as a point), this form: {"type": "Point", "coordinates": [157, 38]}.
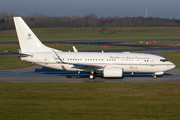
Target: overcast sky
{"type": "Point", "coordinates": [105, 8]}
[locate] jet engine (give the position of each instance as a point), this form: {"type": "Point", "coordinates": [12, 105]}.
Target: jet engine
{"type": "Point", "coordinates": [113, 72]}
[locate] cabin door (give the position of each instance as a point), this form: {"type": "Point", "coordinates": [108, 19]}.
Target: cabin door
{"type": "Point", "coordinates": [46, 59]}
{"type": "Point", "coordinates": [152, 62]}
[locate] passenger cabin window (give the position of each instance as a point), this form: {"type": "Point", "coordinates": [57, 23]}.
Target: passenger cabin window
{"type": "Point", "coordinates": [163, 60]}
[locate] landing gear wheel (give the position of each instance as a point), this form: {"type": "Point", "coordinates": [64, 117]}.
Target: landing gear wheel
{"type": "Point", "coordinates": [154, 76]}
{"type": "Point", "coordinates": [91, 76]}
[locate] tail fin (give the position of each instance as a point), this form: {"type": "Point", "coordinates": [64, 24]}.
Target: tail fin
{"type": "Point", "coordinates": [27, 39]}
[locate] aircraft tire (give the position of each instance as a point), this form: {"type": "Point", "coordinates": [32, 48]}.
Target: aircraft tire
{"type": "Point", "coordinates": [154, 76]}
{"type": "Point", "coordinates": [91, 76]}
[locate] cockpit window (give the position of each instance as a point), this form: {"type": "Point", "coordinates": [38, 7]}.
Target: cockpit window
{"type": "Point", "coordinates": [163, 60]}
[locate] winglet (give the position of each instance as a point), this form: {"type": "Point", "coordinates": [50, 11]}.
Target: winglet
{"type": "Point", "coordinates": [74, 48]}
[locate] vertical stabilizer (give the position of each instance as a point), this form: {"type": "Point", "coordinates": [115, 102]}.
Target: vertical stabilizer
{"type": "Point", "coordinates": [27, 39]}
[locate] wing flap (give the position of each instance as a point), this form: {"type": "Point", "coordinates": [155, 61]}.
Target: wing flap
{"type": "Point", "coordinates": [86, 65]}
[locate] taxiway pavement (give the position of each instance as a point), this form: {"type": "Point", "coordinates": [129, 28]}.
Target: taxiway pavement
{"type": "Point", "coordinates": [38, 73]}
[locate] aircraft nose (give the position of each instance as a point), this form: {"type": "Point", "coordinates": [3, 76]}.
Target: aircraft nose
{"type": "Point", "coordinates": [172, 65]}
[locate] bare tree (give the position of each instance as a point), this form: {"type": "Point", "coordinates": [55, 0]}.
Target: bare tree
{"type": "Point", "coordinates": [91, 20]}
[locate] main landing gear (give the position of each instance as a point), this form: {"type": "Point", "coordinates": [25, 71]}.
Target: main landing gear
{"type": "Point", "coordinates": [92, 75]}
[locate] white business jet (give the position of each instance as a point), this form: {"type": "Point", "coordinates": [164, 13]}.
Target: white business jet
{"type": "Point", "coordinates": [108, 64]}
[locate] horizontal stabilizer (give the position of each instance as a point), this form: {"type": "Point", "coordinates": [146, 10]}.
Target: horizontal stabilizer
{"type": "Point", "coordinates": [18, 53]}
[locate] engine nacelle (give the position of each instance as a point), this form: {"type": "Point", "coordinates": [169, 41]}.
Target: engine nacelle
{"type": "Point", "coordinates": [113, 72]}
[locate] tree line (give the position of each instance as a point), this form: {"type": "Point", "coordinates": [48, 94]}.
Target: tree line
{"type": "Point", "coordinates": [41, 21]}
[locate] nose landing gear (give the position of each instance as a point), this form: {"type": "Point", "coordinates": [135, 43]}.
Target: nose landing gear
{"type": "Point", "coordinates": [157, 73]}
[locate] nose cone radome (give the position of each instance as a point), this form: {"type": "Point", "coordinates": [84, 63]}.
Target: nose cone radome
{"type": "Point", "coordinates": [171, 65]}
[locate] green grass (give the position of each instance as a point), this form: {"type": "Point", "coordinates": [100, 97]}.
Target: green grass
{"type": "Point", "coordinates": [81, 101]}
{"type": "Point", "coordinates": [64, 47]}
{"type": "Point", "coordinates": [12, 62]}
{"type": "Point", "coordinates": [57, 34]}
{"type": "Point", "coordinates": [9, 47]}
{"type": "Point", "coordinates": [170, 42]}
{"type": "Point", "coordinates": [173, 57]}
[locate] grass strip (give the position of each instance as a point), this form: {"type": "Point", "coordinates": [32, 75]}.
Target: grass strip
{"type": "Point", "coordinates": [54, 101]}
{"type": "Point", "coordinates": [157, 42]}
{"type": "Point", "coordinates": [111, 33]}
{"type": "Point", "coordinates": [12, 62]}
{"type": "Point", "coordinates": [65, 47]}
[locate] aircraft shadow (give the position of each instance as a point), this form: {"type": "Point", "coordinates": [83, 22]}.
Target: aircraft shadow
{"type": "Point", "coordinates": [72, 74]}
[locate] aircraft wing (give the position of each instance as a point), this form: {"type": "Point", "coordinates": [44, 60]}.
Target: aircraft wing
{"type": "Point", "coordinates": [77, 65]}
{"type": "Point", "coordinates": [86, 65]}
